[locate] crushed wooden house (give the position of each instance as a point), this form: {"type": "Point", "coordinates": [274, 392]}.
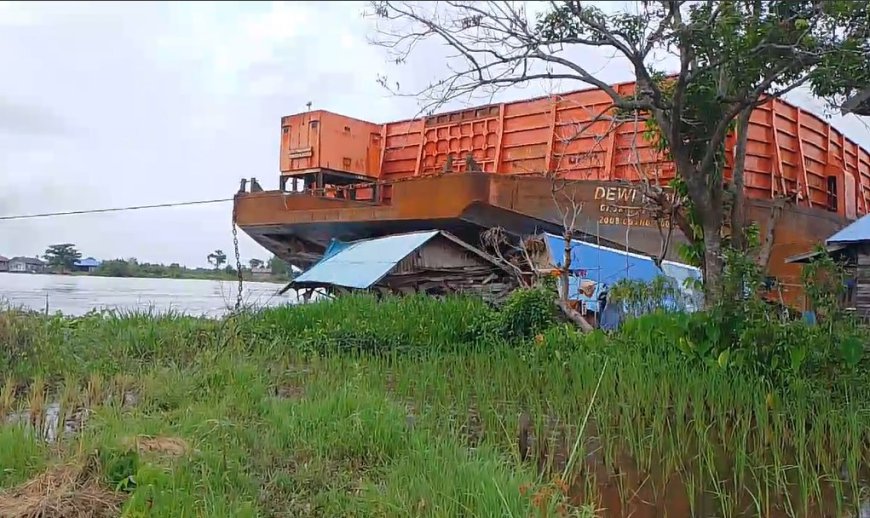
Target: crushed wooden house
{"type": "Point", "coordinates": [433, 262]}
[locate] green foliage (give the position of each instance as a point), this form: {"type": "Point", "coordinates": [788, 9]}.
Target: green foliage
{"type": "Point", "coordinates": [21, 455]}
{"type": "Point", "coordinates": [119, 468]}
{"type": "Point", "coordinates": [361, 323]}
{"type": "Point", "coordinates": [278, 267]}
{"type": "Point", "coordinates": [217, 258]}
{"type": "Point", "coordinates": [824, 279]}
{"type": "Point", "coordinates": [639, 297]}
{"type": "Point", "coordinates": [62, 256]}
{"type": "Point", "coordinates": [843, 74]}
{"type": "Point", "coordinates": [118, 268]}
{"type": "Point", "coordinates": [526, 313]}
{"type": "Point", "coordinates": [743, 330]}
{"type": "Point", "coordinates": [133, 268]}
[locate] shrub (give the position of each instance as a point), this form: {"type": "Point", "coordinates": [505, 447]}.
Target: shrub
{"type": "Point", "coordinates": [362, 323]}
{"type": "Point", "coordinates": [743, 330]}
{"type": "Point", "coordinates": [525, 313]}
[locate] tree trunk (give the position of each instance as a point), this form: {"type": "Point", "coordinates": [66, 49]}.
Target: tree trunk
{"type": "Point", "coordinates": [705, 192]}
{"type": "Point", "coordinates": [738, 208]}
{"type": "Point", "coordinates": [769, 234]}
{"type": "Point", "coordinates": [574, 316]}
{"type": "Point", "coordinates": [564, 275]}
{"type": "Point", "coordinates": [713, 264]}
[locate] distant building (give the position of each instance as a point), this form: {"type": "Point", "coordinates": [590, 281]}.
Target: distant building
{"type": "Point", "coordinates": [261, 272]}
{"type": "Point", "coordinates": [26, 265]}
{"type": "Point", "coordinates": [87, 264]}
{"type": "Point", "coordinates": [4, 264]}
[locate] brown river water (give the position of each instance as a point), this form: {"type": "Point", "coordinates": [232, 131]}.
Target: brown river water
{"type": "Point", "coordinates": [76, 295]}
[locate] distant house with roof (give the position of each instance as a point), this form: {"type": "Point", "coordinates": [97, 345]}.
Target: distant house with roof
{"type": "Point", "coordinates": [261, 273]}
{"type": "Point", "coordinates": [87, 264]}
{"type": "Point", "coordinates": [26, 265]}
{"type": "Point", "coordinates": [4, 264]}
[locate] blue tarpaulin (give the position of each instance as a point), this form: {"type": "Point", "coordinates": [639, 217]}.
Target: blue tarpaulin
{"type": "Point", "coordinates": [598, 267]}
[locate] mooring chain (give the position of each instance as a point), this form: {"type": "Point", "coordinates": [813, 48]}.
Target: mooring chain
{"type": "Point", "coordinates": [238, 260]}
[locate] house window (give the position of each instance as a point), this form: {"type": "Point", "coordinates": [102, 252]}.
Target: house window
{"type": "Point", "coordinates": [832, 193]}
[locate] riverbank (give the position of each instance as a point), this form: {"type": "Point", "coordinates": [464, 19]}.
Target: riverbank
{"type": "Point", "coordinates": [417, 407]}
{"type": "Point", "coordinates": [200, 274]}
{"type": "Point", "coordinates": [205, 275]}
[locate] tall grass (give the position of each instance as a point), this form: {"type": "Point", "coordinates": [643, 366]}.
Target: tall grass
{"type": "Point", "coordinates": [413, 407]}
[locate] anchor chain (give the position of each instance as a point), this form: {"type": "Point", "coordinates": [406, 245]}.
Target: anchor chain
{"type": "Point", "coordinates": [238, 260]}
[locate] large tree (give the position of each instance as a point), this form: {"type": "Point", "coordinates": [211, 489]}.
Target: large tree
{"type": "Point", "coordinates": [217, 258]}
{"type": "Point", "coordinates": [843, 78]}
{"type": "Point", "coordinates": [62, 256]}
{"type": "Point", "coordinates": [728, 58]}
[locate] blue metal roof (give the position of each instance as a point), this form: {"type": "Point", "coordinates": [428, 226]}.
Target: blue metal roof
{"type": "Point", "coordinates": [605, 266]}
{"type": "Point", "coordinates": [89, 261]}
{"type": "Point", "coordinates": [857, 231]}
{"type": "Point", "coordinates": [360, 264]}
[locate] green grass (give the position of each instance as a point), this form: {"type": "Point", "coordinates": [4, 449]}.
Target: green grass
{"type": "Point", "coordinates": [412, 408]}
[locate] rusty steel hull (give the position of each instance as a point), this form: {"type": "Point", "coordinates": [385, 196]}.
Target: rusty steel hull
{"type": "Point", "coordinates": [298, 226]}
{"type": "Point", "coordinates": [790, 152]}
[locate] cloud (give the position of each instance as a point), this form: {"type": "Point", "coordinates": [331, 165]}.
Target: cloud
{"type": "Point", "coordinates": [134, 103]}
{"type": "Point", "coordinates": [22, 119]}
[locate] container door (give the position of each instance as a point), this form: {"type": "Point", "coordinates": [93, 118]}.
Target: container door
{"type": "Point", "coordinates": [850, 196]}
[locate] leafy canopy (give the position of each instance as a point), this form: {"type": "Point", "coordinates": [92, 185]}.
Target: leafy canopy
{"type": "Point", "coordinates": [63, 256]}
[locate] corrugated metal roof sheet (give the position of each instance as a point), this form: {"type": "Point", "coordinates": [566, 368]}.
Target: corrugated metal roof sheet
{"type": "Point", "coordinates": [807, 257]}
{"type": "Point", "coordinates": [27, 260]}
{"type": "Point", "coordinates": [89, 261]}
{"type": "Point", "coordinates": [857, 231]}
{"type": "Point", "coordinates": [360, 264]}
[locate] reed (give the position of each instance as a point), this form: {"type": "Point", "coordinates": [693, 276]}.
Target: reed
{"type": "Point", "coordinates": [36, 405]}
{"type": "Point", "coordinates": [69, 402]}
{"type": "Point", "coordinates": [7, 398]}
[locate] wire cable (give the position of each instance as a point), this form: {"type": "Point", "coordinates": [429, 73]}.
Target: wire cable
{"type": "Point", "coordinates": [114, 209]}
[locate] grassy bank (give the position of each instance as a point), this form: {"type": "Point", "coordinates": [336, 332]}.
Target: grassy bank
{"type": "Point", "coordinates": [201, 274]}
{"type": "Point", "coordinates": [415, 408]}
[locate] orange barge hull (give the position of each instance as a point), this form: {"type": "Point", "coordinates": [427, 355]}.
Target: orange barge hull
{"type": "Point", "coordinates": [469, 170]}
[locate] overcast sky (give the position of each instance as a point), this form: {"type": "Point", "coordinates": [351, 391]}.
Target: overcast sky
{"type": "Point", "coordinates": [113, 104]}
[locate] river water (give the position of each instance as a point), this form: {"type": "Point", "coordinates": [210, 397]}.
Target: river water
{"type": "Point", "coordinates": [76, 295]}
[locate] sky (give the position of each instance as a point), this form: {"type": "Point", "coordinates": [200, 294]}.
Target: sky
{"type": "Point", "coordinates": [116, 104]}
